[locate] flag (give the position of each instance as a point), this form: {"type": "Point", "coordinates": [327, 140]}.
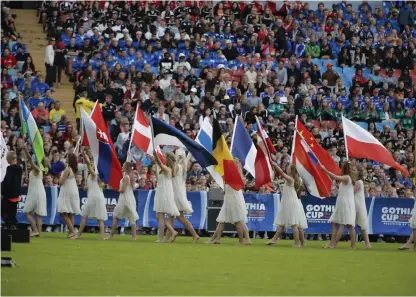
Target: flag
{"type": "Point", "coordinates": [243, 148]}
{"type": "Point", "coordinates": [30, 128]}
{"type": "Point", "coordinates": [359, 143]}
{"type": "Point", "coordinates": [320, 153]}
{"type": "Point", "coordinates": [315, 179]}
{"type": "Point", "coordinates": [104, 155]}
{"type": "Point", "coordinates": [204, 138]}
{"type": "Point", "coordinates": [160, 154]}
{"type": "Point", "coordinates": [142, 132]}
{"type": "Point", "coordinates": [3, 153]}
{"type": "Point", "coordinates": [226, 166]}
{"type": "Point", "coordinates": [263, 168]}
{"type": "Point", "coordinates": [266, 138]}
{"type": "Point", "coordinates": [168, 135]}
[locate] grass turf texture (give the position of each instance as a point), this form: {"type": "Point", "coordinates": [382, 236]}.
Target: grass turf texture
{"type": "Point", "coordinates": [53, 265]}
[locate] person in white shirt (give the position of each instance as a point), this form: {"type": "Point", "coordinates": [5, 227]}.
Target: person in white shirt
{"type": "Point", "coordinates": [193, 98]}
{"type": "Point", "coordinates": [252, 74]}
{"type": "Point", "coordinates": [182, 63]}
{"type": "Point", "coordinates": [123, 136]}
{"type": "Point", "coordinates": [49, 59]}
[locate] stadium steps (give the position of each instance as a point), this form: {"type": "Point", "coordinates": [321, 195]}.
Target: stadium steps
{"type": "Point", "coordinates": [35, 40]}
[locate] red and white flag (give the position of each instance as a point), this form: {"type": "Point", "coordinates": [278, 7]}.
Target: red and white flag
{"type": "Point", "coordinates": [361, 144]}
{"type": "Point", "coordinates": [160, 154]}
{"type": "Point", "coordinates": [266, 138]}
{"type": "Point", "coordinates": [142, 133]}
{"type": "Point", "coordinates": [262, 164]}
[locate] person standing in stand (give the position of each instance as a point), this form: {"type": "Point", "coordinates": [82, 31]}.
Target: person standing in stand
{"type": "Point", "coordinates": [10, 191]}
{"type": "Point", "coordinates": [49, 62]}
{"type": "Point", "coordinates": [36, 196]}
{"type": "Point", "coordinates": [179, 190]}
{"type": "Point", "coordinates": [344, 212]}
{"type": "Point", "coordinates": [95, 207]}
{"type": "Point", "coordinates": [291, 213]}
{"type": "Point", "coordinates": [68, 199]}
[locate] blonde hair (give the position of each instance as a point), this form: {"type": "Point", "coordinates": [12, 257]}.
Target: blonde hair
{"type": "Point", "coordinates": [171, 163]}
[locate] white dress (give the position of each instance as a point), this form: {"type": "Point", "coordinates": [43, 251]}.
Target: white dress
{"type": "Point", "coordinates": [234, 208]}
{"type": "Point", "coordinates": [68, 199]}
{"type": "Point", "coordinates": [412, 220]}
{"type": "Point", "coordinates": [164, 197]}
{"type": "Point", "coordinates": [36, 195]}
{"type": "Point", "coordinates": [179, 190]}
{"type": "Point", "coordinates": [291, 209]}
{"type": "Point", "coordinates": [126, 206]}
{"type": "Point", "coordinates": [344, 212]}
{"type": "Point", "coordinates": [361, 217]}
{"type": "Point", "coordinates": [95, 207]}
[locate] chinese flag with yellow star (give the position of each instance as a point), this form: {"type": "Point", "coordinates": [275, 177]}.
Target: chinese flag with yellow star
{"type": "Point", "coordinates": [320, 153]}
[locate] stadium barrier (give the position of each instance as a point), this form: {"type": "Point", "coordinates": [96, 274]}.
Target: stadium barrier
{"type": "Point", "coordinates": [386, 215]}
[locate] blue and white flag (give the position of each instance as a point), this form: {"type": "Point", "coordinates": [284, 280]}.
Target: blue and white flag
{"type": "Point", "coordinates": [243, 148]}
{"type": "Point", "coordinates": [204, 138]}
{"type": "Point", "coordinates": [168, 135]}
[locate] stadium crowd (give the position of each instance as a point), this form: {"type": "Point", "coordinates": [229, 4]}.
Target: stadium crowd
{"type": "Point", "coordinates": [183, 60]}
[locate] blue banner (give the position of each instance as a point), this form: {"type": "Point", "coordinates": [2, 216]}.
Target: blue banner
{"type": "Point", "coordinates": [389, 216]}
{"type": "Point", "coordinates": [261, 211]}
{"type": "Point", "coordinates": [198, 200]}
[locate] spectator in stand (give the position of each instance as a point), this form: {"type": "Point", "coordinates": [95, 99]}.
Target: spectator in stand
{"type": "Point", "coordinates": [41, 114]}
{"type": "Point", "coordinates": [49, 62]}
{"type": "Point", "coordinates": [56, 113]}
{"type": "Point", "coordinates": [8, 61]}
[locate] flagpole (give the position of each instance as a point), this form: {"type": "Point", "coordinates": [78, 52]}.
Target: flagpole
{"type": "Point", "coordinates": [129, 157]}
{"type": "Point", "coordinates": [294, 138]}
{"type": "Point", "coordinates": [345, 138]}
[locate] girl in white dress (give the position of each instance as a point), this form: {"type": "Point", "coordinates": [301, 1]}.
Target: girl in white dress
{"type": "Point", "coordinates": [164, 197]}
{"type": "Point", "coordinates": [291, 213]}
{"type": "Point", "coordinates": [95, 207]}
{"type": "Point", "coordinates": [233, 211]}
{"type": "Point", "coordinates": [361, 217]}
{"type": "Point", "coordinates": [179, 190]}
{"type": "Point", "coordinates": [344, 212]}
{"type": "Point", "coordinates": [126, 206]}
{"type": "Point", "coordinates": [36, 196]}
{"type": "Point", "coordinates": [412, 237]}
{"type": "Point", "coordinates": [68, 203]}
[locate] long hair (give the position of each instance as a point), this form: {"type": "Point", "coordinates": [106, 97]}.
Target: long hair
{"type": "Point", "coordinates": [73, 162]}
{"type": "Point", "coordinates": [346, 170]}
{"type": "Point", "coordinates": [171, 163]}
{"type": "Point", "coordinates": [128, 170]}
{"type": "Point", "coordinates": [296, 179]}
{"type": "Point", "coordinates": [180, 160]}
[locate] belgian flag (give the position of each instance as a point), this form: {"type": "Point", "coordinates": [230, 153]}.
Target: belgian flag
{"type": "Point", "coordinates": [226, 166]}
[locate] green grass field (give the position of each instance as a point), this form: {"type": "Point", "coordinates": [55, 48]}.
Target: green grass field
{"type": "Point", "coordinates": [53, 265]}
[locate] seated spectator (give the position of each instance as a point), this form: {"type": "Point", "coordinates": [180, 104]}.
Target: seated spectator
{"type": "Point", "coordinates": [8, 61]}
{"type": "Point", "coordinates": [56, 113]}
{"type": "Point", "coordinates": [41, 114]}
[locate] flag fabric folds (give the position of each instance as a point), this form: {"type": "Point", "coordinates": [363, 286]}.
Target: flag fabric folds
{"type": "Point", "coordinates": [226, 166]}
{"type": "Point", "coordinates": [315, 179]}
{"type": "Point", "coordinates": [168, 135]}
{"type": "Point", "coordinates": [102, 148]}
{"type": "Point", "coordinates": [30, 128]}
{"type": "Point", "coordinates": [243, 148]}
{"type": "Point", "coordinates": [142, 132]}
{"type": "Point", "coordinates": [204, 138]}
{"type": "Point", "coordinates": [263, 168]}
{"type": "Point", "coordinates": [266, 138]}
{"type": "Point", "coordinates": [320, 153]}
{"type": "Point", "coordinates": [361, 144]}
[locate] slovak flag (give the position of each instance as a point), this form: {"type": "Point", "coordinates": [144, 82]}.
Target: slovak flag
{"type": "Point", "coordinates": [102, 149]}
{"type": "Point", "coordinates": [315, 179]}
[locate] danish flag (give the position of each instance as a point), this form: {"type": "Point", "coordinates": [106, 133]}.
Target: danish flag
{"type": "Point", "coordinates": [142, 133]}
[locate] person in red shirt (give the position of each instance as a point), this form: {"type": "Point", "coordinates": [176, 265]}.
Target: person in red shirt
{"type": "Point", "coordinates": [359, 78]}
{"type": "Point", "coordinates": [8, 61]}
{"type": "Point", "coordinates": [41, 114]}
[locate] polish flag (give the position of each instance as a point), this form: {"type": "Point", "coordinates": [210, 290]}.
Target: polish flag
{"type": "Point", "coordinates": [266, 138]}
{"type": "Point", "coordinates": [361, 144]}
{"type": "Point", "coordinates": [142, 133]}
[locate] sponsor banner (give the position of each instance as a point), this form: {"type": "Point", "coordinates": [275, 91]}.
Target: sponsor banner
{"type": "Point", "coordinates": [261, 211]}
{"type": "Point", "coordinates": [388, 216]}
{"type": "Point", "coordinates": [198, 201]}
{"type": "Point", "coordinates": [391, 216]}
